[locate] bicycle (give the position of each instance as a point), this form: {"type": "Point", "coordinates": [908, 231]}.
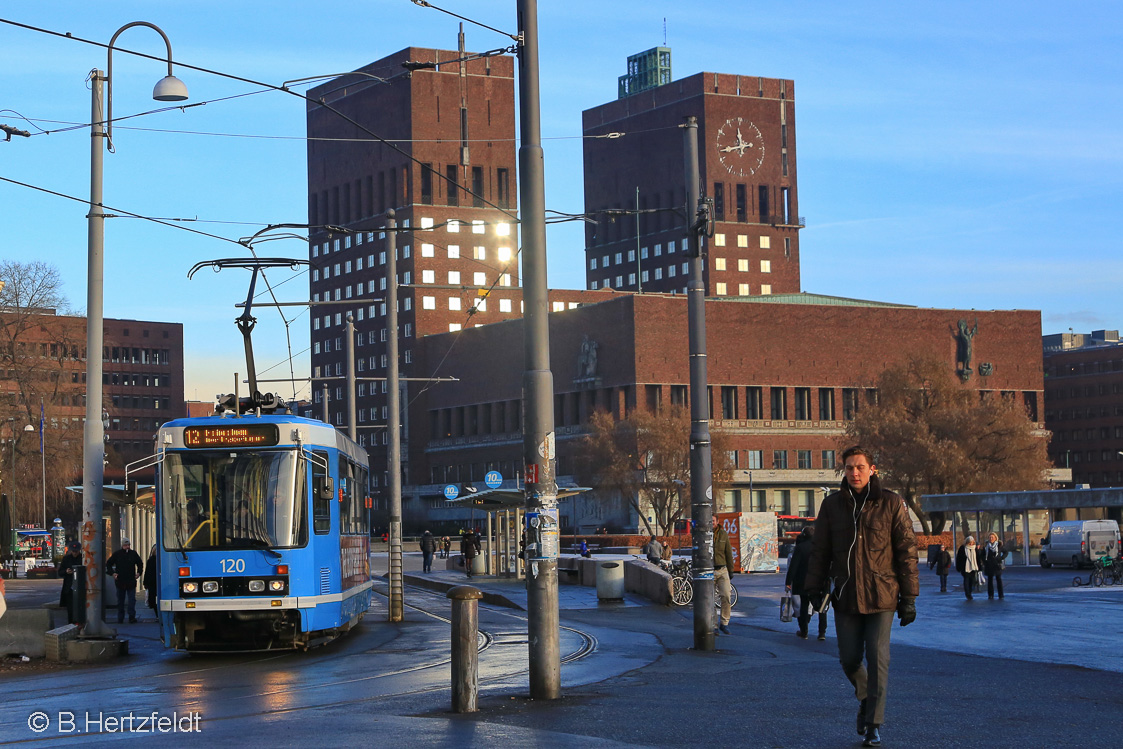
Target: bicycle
{"type": "Point", "coordinates": [682, 586]}
{"type": "Point", "coordinates": [1105, 571]}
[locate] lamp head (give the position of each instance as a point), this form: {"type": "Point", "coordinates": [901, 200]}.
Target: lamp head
{"type": "Point", "coordinates": [169, 88]}
{"type": "Point", "coordinates": [29, 428]}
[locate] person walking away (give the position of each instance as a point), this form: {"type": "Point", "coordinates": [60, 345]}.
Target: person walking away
{"type": "Point", "coordinates": [864, 543]}
{"type": "Point", "coordinates": [469, 548]}
{"type": "Point", "coordinates": [654, 550]}
{"type": "Point", "coordinates": [942, 563]}
{"type": "Point", "coordinates": [994, 562]}
{"type": "Point", "coordinates": [797, 577]}
{"type": "Point", "coordinates": [723, 568]}
{"type": "Point", "coordinates": [967, 562]}
{"type": "Point", "coordinates": [126, 567]}
{"type": "Point", "coordinates": [152, 594]}
{"type": "Point", "coordinates": [428, 549]}
{"type": "Point", "coordinates": [72, 559]}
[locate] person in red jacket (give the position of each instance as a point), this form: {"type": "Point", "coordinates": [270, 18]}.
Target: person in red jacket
{"type": "Point", "coordinates": [864, 544]}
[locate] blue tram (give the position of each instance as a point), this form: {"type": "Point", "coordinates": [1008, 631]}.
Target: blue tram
{"type": "Point", "coordinates": [264, 532]}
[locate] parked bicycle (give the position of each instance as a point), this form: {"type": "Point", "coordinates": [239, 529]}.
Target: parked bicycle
{"type": "Point", "coordinates": [682, 586]}
{"type": "Point", "coordinates": [1105, 571]}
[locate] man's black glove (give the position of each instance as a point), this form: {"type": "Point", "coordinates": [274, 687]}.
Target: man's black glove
{"type": "Point", "coordinates": [906, 611]}
{"type": "Point", "coordinates": [816, 598]}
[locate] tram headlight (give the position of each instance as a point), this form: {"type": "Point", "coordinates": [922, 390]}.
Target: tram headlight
{"type": "Point", "coordinates": [210, 586]}
{"type": "Point", "coordinates": [257, 586]}
{"type": "Point", "coordinates": [191, 587]}
{"type": "Point", "coordinates": [276, 585]}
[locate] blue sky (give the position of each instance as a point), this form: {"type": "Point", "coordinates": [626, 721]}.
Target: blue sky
{"type": "Point", "coordinates": [958, 154]}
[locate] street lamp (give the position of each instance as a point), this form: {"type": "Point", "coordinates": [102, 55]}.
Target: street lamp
{"type": "Point", "coordinates": [42, 454]}
{"type": "Point", "coordinates": [168, 88]}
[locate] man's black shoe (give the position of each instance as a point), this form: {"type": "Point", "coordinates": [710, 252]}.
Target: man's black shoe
{"type": "Point", "coordinates": [873, 737]}
{"type": "Point", "coordinates": [862, 718]}
{"type": "Point", "coordinates": [132, 621]}
{"type": "Point", "coordinates": [724, 629]}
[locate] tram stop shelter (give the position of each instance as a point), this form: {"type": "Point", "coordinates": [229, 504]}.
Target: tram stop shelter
{"type": "Point", "coordinates": [504, 508]}
{"type": "Point", "coordinates": [1020, 519]}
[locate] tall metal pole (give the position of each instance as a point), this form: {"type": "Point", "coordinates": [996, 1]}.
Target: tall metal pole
{"type": "Point", "coordinates": [538, 380]}
{"type": "Point", "coordinates": [352, 429]}
{"type": "Point", "coordinates": [393, 422]}
{"type": "Point", "coordinates": [93, 434]}
{"type": "Point", "coordinates": [43, 461]}
{"type": "Point", "coordinates": [639, 269]}
{"type": "Point", "coordinates": [324, 404]}
{"type": "Point", "coordinates": [701, 478]}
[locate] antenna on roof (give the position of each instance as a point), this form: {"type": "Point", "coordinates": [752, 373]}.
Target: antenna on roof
{"type": "Point", "coordinates": [664, 31]}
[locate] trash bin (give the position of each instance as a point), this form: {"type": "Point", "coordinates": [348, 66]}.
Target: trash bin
{"type": "Point", "coordinates": [610, 581]}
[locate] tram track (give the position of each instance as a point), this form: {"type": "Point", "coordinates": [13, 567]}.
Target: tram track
{"type": "Point", "coordinates": [489, 638]}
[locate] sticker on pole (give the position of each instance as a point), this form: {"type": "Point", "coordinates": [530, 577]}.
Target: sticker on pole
{"type": "Point", "coordinates": [493, 479]}
{"type": "Point", "coordinates": [451, 492]}
{"type": "Point", "coordinates": [546, 447]}
{"type": "Point", "coordinates": [542, 535]}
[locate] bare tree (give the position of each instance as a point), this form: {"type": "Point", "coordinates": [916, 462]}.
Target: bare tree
{"type": "Point", "coordinates": [645, 458]}
{"type": "Point", "coordinates": [932, 435]}
{"type": "Point", "coordinates": [40, 355]}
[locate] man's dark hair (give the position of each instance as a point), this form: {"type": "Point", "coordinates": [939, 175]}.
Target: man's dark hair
{"type": "Point", "coordinates": [857, 450]}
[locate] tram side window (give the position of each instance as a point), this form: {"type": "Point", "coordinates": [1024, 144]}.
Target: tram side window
{"type": "Point", "coordinates": [346, 497]}
{"type": "Point", "coordinates": [322, 494]}
{"type": "Point", "coordinates": [362, 491]}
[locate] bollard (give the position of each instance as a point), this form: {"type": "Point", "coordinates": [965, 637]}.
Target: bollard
{"type": "Point", "coordinates": [77, 611]}
{"type": "Point", "coordinates": [465, 650]}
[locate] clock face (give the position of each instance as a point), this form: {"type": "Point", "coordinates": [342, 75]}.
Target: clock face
{"type": "Point", "coordinates": [740, 147]}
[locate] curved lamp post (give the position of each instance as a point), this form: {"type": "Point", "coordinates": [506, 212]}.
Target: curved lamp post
{"type": "Point", "coordinates": [168, 88]}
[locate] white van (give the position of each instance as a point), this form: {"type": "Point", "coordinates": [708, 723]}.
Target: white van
{"type": "Point", "coordinates": [1079, 542]}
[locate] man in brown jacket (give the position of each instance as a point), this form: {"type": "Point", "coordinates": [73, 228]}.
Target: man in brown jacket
{"type": "Point", "coordinates": [723, 568]}
{"type": "Point", "coordinates": [864, 543]}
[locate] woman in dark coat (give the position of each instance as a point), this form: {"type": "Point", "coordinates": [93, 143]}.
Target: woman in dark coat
{"type": "Point", "coordinates": [797, 575]}
{"type": "Point", "coordinates": [150, 582]}
{"type": "Point", "coordinates": [72, 559]}
{"type": "Point", "coordinates": [967, 561]}
{"type": "Point", "coordinates": [942, 563]}
{"type": "Point", "coordinates": [994, 562]}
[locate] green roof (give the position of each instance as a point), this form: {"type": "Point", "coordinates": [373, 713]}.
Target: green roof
{"type": "Point", "coordinates": [812, 299]}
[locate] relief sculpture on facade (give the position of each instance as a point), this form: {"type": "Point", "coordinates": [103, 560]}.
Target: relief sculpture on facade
{"type": "Point", "coordinates": [964, 338]}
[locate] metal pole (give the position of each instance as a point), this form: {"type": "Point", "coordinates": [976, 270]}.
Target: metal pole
{"type": "Point", "coordinates": [538, 380]}
{"type": "Point", "coordinates": [465, 648]}
{"type": "Point", "coordinates": [489, 569]}
{"type": "Point", "coordinates": [393, 422]}
{"type": "Point", "coordinates": [701, 479]}
{"type": "Point", "coordinates": [43, 461]}
{"type": "Point", "coordinates": [327, 414]}
{"type": "Point", "coordinates": [93, 445]}
{"type": "Point", "coordinates": [639, 270]}
{"type": "Point", "coordinates": [352, 428]}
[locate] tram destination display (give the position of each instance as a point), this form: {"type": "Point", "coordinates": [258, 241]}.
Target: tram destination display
{"type": "Point", "coordinates": [247, 435]}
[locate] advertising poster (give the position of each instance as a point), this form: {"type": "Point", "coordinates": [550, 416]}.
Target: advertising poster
{"type": "Point", "coordinates": [753, 538]}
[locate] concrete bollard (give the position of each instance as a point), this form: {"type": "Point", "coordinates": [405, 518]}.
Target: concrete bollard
{"type": "Point", "coordinates": [465, 651]}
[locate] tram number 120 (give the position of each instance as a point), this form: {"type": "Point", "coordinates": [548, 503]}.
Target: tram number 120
{"type": "Point", "coordinates": [233, 565]}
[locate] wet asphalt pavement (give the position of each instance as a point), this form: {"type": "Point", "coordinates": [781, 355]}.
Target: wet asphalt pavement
{"type": "Point", "coordinates": [1039, 669]}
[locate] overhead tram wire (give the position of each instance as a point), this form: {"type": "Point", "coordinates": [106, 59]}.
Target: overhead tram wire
{"type": "Point", "coordinates": [389, 144]}
{"type": "Point", "coordinates": [319, 102]}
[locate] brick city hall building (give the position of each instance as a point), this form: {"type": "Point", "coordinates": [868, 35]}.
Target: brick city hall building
{"type": "Point", "coordinates": [783, 376]}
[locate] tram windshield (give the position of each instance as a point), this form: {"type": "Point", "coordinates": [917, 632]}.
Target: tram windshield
{"type": "Point", "coordinates": [233, 500]}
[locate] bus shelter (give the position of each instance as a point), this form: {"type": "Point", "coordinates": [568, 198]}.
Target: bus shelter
{"type": "Point", "coordinates": [1021, 519]}
{"type": "Point", "coordinates": [502, 535]}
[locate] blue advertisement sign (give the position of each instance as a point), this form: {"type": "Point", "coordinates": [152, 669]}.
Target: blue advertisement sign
{"type": "Point", "coordinates": [493, 479]}
{"type": "Point", "coordinates": [451, 492]}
